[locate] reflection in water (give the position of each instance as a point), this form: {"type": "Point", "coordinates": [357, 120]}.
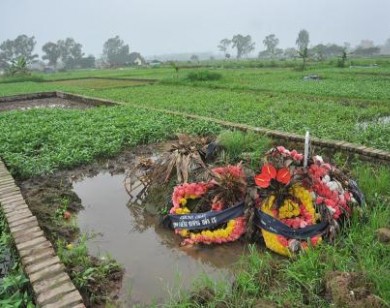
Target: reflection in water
{"type": "Point", "coordinates": [150, 253]}
{"type": "Point", "coordinates": [379, 121]}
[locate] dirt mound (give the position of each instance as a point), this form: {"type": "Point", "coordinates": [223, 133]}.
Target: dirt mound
{"type": "Point", "coordinates": [350, 290]}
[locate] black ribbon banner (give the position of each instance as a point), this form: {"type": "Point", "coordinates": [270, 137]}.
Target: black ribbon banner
{"type": "Point", "coordinates": [207, 220]}
{"type": "Point", "coordinates": [271, 224]}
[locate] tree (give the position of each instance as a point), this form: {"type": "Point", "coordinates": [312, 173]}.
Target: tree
{"type": "Point", "coordinates": [386, 47]}
{"type": "Point", "coordinates": [194, 58]}
{"type": "Point", "coordinates": [18, 67]}
{"type": "Point", "coordinates": [243, 44]}
{"type": "Point", "coordinates": [224, 46]}
{"type": "Point", "coordinates": [322, 52]}
{"type": "Point", "coordinates": [366, 52]}
{"type": "Point", "coordinates": [290, 53]}
{"type": "Point", "coordinates": [86, 62]}
{"type": "Point", "coordinates": [319, 52]}
{"type": "Point", "coordinates": [115, 52]}
{"type": "Point", "coordinates": [271, 42]}
{"type": "Point", "coordinates": [302, 40]}
{"type": "Point", "coordinates": [70, 52]}
{"type": "Point", "coordinates": [302, 44]}
{"type": "Point", "coordinates": [21, 47]}
{"type": "Point", "coordinates": [343, 59]}
{"type": "Point", "coordinates": [52, 53]}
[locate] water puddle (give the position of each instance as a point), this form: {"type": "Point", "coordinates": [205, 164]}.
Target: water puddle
{"type": "Point", "coordinates": [379, 121]}
{"type": "Point", "coordinates": [156, 266]}
{"type": "Point", "coordinates": [53, 102]}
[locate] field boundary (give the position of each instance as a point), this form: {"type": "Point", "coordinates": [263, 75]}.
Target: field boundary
{"type": "Point", "coordinates": [29, 96]}
{"type": "Point", "coordinates": [52, 286]}
{"type": "Point", "coordinates": [343, 146]}
{"type": "Point", "coordinates": [146, 80]}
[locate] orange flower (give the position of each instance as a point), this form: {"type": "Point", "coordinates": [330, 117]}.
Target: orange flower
{"type": "Point", "coordinates": [268, 173]}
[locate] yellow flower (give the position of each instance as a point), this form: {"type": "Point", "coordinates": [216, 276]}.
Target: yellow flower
{"type": "Point", "coordinates": [306, 199]}
{"type": "Point", "coordinates": [184, 232]}
{"type": "Point", "coordinates": [183, 201]}
{"type": "Point", "coordinates": [182, 210]}
{"type": "Point", "coordinates": [207, 233]}
{"type": "Point", "coordinates": [289, 209]}
{"type": "Point", "coordinates": [272, 242]}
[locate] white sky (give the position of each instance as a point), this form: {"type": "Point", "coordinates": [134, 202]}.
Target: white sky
{"type": "Point", "coordinates": [155, 27]}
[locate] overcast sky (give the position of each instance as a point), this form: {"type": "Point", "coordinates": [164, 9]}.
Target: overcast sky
{"type": "Point", "coordinates": [155, 27]}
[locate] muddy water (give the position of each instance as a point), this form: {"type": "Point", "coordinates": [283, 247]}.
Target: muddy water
{"type": "Point", "coordinates": [155, 264]}
{"type": "Point", "coordinates": [53, 102]}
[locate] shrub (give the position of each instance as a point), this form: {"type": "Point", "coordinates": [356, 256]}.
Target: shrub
{"type": "Point", "coordinates": [203, 75]}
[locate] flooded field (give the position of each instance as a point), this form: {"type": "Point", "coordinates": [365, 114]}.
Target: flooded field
{"type": "Point", "coordinates": [155, 263]}
{"type": "Point", "coordinates": [52, 102]}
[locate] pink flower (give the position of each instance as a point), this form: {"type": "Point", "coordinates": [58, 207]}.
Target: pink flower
{"type": "Point", "coordinates": [282, 240]}
{"type": "Point", "coordinates": [217, 206]}
{"type": "Point", "coordinates": [295, 155]}
{"type": "Point", "coordinates": [314, 240]}
{"type": "Point", "coordinates": [281, 149]}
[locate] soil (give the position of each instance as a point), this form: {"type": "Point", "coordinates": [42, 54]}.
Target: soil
{"type": "Point", "coordinates": [383, 235]}
{"type": "Point", "coordinates": [52, 102]}
{"type": "Point", "coordinates": [350, 290]}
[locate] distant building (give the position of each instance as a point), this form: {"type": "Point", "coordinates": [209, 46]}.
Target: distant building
{"type": "Point", "coordinates": [49, 69]}
{"type": "Point", "coordinates": [37, 66]}
{"type": "Point", "coordinates": [155, 63]}
{"type": "Point", "coordinates": [135, 58]}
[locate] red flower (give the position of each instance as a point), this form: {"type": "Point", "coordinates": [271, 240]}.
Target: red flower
{"type": "Point", "coordinates": [283, 176]}
{"type": "Point", "coordinates": [268, 173]}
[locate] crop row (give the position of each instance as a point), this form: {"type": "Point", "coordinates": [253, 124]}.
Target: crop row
{"type": "Point", "coordinates": [325, 118]}
{"type": "Point", "coordinates": [330, 118]}
{"type": "Point", "coordinates": [41, 141]}
{"type": "Point", "coordinates": [335, 83]}
{"type": "Point", "coordinates": [364, 83]}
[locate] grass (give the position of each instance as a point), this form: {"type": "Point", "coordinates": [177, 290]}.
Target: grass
{"type": "Point", "coordinates": [24, 78]}
{"type": "Point", "coordinates": [247, 146]}
{"type": "Point", "coordinates": [203, 75]}
{"type": "Point", "coordinates": [14, 285]}
{"type": "Point", "coordinates": [90, 276]}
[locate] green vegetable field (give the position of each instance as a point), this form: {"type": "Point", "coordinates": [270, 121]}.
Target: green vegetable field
{"type": "Point", "coordinates": [346, 104]}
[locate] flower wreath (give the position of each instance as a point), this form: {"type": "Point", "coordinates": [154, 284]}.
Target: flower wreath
{"type": "Point", "coordinates": [294, 196]}
{"type": "Point", "coordinates": [297, 212]}
{"type": "Point", "coordinates": [230, 231]}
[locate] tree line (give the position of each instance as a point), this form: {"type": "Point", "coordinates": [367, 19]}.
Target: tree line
{"type": "Point", "coordinates": [66, 52]}
{"type": "Point", "coordinates": [243, 46]}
